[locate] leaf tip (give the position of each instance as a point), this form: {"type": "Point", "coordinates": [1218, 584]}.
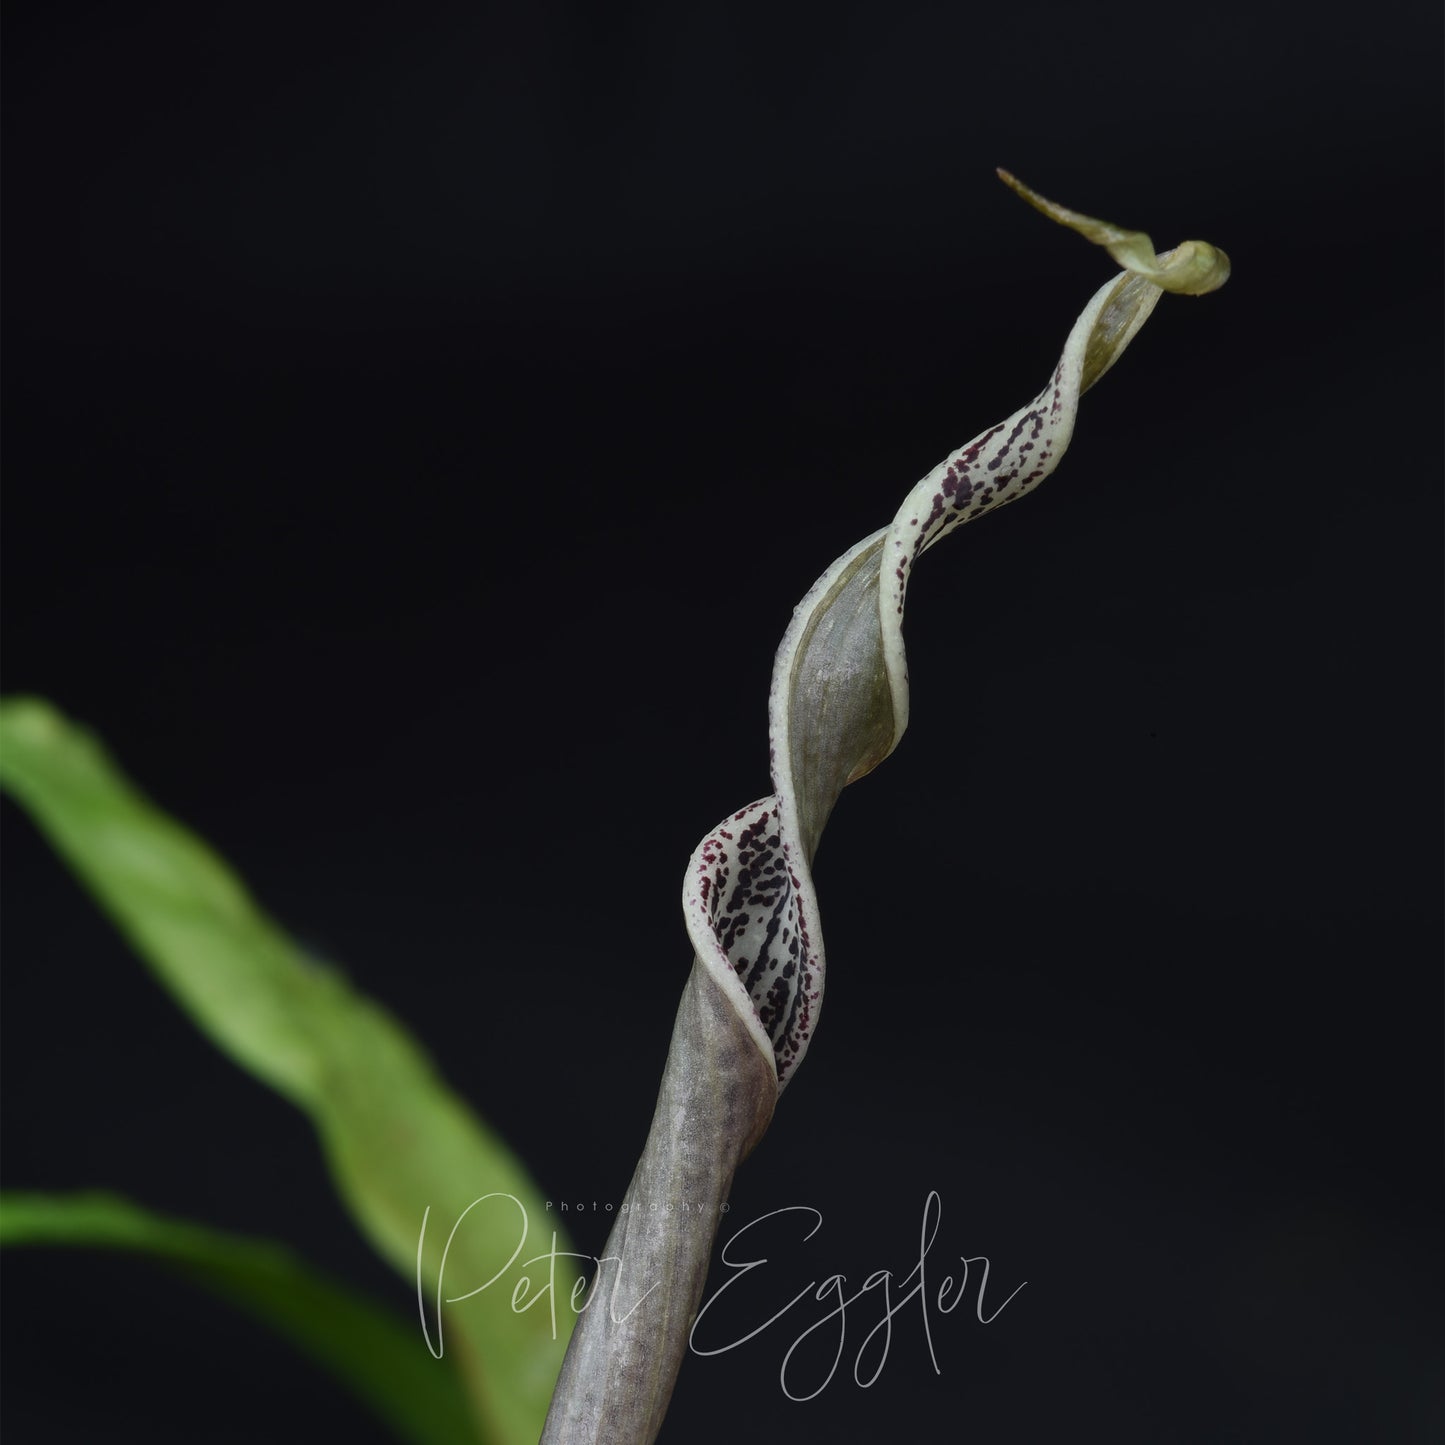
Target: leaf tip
{"type": "Point", "coordinates": [1193, 268]}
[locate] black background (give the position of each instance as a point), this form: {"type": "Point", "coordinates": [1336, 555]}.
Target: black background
{"type": "Point", "coordinates": [420, 425]}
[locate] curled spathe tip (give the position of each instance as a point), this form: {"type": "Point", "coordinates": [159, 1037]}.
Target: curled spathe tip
{"type": "Point", "coordinates": [1192, 268]}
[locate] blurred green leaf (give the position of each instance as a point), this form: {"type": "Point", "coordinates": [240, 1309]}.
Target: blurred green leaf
{"type": "Point", "coordinates": [368, 1349]}
{"type": "Point", "coordinates": [398, 1141]}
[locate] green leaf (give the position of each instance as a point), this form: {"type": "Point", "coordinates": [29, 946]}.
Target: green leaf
{"type": "Point", "coordinates": [366, 1348]}
{"type": "Point", "coordinates": [399, 1143]}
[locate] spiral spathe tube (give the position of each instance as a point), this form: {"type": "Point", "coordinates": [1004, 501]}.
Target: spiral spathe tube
{"type": "Point", "coordinates": [838, 706]}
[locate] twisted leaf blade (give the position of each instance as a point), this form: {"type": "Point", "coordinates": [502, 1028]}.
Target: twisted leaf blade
{"type": "Point", "coordinates": [396, 1138]}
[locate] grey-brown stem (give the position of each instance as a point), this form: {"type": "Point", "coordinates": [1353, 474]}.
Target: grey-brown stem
{"type": "Point", "coordinates": [717, 1098]}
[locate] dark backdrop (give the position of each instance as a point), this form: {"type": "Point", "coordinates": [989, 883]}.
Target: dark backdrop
{"type": "Point", "coordinates": [421, 423]}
